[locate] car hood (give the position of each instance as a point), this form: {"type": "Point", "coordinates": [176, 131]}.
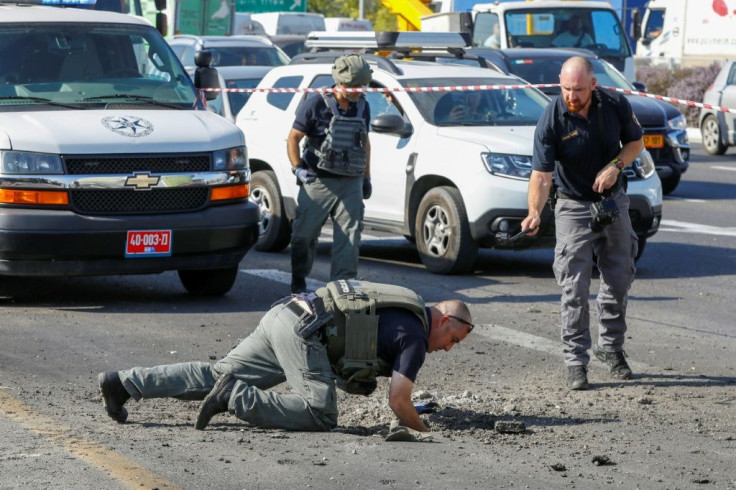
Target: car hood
{"type": "Point", "coordinates": [516, 140]}
{"type": "Point", "coordinates": [119, 131]}
{"type": "Point", "coordinates": [651, 112]}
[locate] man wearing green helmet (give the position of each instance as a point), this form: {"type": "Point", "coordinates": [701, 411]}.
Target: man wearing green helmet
{"type": "Point", "coordinates": [333, 171]}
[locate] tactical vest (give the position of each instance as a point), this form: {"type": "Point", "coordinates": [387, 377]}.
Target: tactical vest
{"type": "Point", "coordinates": [352, 336]}
{"type": "Point", "coordinates": [342, 150]}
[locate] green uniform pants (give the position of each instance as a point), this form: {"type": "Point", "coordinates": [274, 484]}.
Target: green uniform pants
{"type": "Point", "coordinates": [272, 354]}
{"type": "Point", "coordinates": [339, 198]}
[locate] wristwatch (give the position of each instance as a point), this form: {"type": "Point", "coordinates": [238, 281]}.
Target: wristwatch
{"type": "Point", "coordinates": [618, 163]}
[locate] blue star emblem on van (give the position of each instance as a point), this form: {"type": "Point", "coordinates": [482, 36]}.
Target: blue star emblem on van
{"type": "Point", "coordinates": [131, 126]}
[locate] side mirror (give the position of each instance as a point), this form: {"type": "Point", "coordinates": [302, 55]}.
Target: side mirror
{"type": "Point", "coordinates": [640, 86]}
{"type": "Point", "coordinates": [391, 124]}
{"type": "Point", "coordinates": [161, 24]}
{"type": "Point", "coordinates": [160, 4]}
{"type": "Point", "coordinates": [635, 24]}
{"type": "Point", "coordinates": [206, 76]}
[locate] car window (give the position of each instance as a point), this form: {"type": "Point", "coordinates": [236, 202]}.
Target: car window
{"type": "Point", "coordinates": [238, 99]}
{"type": "Point", "coordinates": [512, 107]}
{"type": "Point", "coordinates": [732, 76]}
{"type": "Point", "coordinates": [281, 101]}
{"type": "Point", "coordinates": [248, 56]}
{"type": "Point", "coordinates": [185, 54]}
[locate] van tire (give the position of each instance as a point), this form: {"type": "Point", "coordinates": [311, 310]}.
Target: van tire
{"type": "Point", "coordinates": [669, 184]}
{"type": "Point", "coordinates": [208, 282]}
{"type": "Point", "coordinates": [442, 233]}
{"type": "Point", "coordinates": [275, 232]}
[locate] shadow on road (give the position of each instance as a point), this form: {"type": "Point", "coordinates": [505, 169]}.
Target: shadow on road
{"type": "Point", "coordinates": [708, 191]}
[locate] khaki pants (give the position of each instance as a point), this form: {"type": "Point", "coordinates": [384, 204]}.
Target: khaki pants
{"type": "Point", "coordinates": [339, 198]}
{"type": "Point", "coordinates": [272, 354]}
{"type": "Point", "coordinates": [616, 247]}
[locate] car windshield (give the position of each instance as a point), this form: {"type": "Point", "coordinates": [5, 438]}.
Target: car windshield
{"type": "Point", "coordinates": [247, 56]}
{"type": "Point", "coordinates": [86, 64]}
{"type": "Point", "coordinates": [547, 70]}
{"type": "Point", "coordinates": [502, 107]}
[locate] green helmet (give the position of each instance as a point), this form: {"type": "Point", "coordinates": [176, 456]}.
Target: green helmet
{"type": "Point", "coordinates": [351, 69]}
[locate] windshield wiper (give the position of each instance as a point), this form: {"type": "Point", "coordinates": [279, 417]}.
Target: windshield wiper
{"type": "Point", "coordinates": [137, 98]}
{"type": "Point", "coordinates": [38, 99]}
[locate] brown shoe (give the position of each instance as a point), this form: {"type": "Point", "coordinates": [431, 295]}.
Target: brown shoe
{"type": "Point", "coordinates": [216, 402]}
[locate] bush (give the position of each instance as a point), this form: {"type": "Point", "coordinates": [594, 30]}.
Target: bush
{"type": "Point", "coordinates": [680, 83]}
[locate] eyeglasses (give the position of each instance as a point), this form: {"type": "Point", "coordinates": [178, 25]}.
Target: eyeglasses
{"type": "Point", "coordinates": [464, 322]}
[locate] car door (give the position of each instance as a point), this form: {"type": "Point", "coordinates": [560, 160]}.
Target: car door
{"type": "Point", "coordinates": [390, 156]}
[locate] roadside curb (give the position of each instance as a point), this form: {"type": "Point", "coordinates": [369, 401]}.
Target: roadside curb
{"type": "Point", "coordinates": [693, 134]}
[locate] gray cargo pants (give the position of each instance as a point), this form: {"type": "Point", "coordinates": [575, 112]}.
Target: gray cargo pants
{"type": "Point", "coordinates": [340, 198]}
{"type": "Point", "coordinates": [272, 354]}
{"type": "Point", "coordinates": [616, 247]}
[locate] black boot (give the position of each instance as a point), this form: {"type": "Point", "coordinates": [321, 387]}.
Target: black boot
{"type": "Point", "coordinates": [114, 395]}
{"type": "Point", "coordinates": [216, 402]}
{"type": "Point", "coordinates": [298, 285]}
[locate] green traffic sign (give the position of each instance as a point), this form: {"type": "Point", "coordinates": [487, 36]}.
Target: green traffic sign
{"type": "Point", "coordinates": [260, 6]}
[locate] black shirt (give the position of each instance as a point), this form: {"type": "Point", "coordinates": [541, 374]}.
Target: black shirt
{"type": "Point", "coordinates": [313, 118]}
{"type": "Point", "coordinates": [402, 341]}
{"type": "Point", "coordinates": [576, 143]}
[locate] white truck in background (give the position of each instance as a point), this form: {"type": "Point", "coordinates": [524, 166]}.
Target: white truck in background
{"type": "Point", "coordinates": [537, 23]}
{"type": "Point", "coordinates": [687, 32]}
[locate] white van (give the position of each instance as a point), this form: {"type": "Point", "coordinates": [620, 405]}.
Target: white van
{"type": "Point", "coordinates": [690, 32]}
{"type": "Point", "coordinates": [276, 23]}
{"type": "Point", "coordinates": [109, 163]}
{"type": "Point", "coordinates": [347, 24]}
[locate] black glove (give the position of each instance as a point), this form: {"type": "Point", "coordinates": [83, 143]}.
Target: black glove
{"type": "Point", "coordinates": [367, 188]}
{"type": "Point", "coordinates": [305, 175]}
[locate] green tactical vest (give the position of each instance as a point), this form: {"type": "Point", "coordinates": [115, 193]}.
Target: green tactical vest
{"type": "Point", "coordinates": [352, 337]}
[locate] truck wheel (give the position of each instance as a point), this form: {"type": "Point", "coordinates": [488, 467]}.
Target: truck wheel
{"type": "Point", "coordinates": [711, 133]}
{"type": "Point", "coordinates": [670, 183]}
{"type": "Point", "coordinates": [208, 282]}
{"type": "Point", "coordinates": [443, 233]}
{"type": "Point", "coordinates": [274, 229]}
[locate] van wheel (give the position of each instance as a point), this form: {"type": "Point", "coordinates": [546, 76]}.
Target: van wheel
{"type": "Point", "coordinates": [642, 244]}
{"type": "Point", "coordinates": [274, 227]}
{"type": "Point", "coordinates": [208, 282]}
{"type": "Point", "coordinates": [443, 233]}
{"type": "Point", "coordinates": [711, 133]}
{"type": "Point", "coordinates": [669, 184]}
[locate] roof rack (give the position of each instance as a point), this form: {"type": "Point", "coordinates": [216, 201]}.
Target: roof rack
{"type": "Point", "coordinates": [387, 41]}
{"type": "Point", "coordinates": [330, 57]}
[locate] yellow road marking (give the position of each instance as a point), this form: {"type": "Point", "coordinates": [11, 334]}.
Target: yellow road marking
{"type": "Point", "coordinates": [116, 465]}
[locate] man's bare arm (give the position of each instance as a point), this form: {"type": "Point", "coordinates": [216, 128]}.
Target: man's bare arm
{"type": "Point", "coordinates": [399, 399]}
{"type": "Point", "coordinates": [539, 186]}
{"type": "Point", "coordinates": [292, 147]}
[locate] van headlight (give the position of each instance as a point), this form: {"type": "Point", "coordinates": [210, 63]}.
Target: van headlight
{"type": "Point", "coordinates": [677, 122]}
{"type": "Point", "coordinates": [644, 165]}
{"type": "Point", "coordinates": [26, 162]}
{"type": "Point", "coordinates": [231, 159]}
{"type": "Point", "coordinates": [504, 165]}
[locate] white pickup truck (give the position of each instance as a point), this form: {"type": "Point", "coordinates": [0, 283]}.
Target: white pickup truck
{"type": "Point", "coordinates": [109, 163]}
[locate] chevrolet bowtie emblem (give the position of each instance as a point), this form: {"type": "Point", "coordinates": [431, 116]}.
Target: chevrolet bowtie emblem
{"type": "Point", "coordinates": [142, 181]}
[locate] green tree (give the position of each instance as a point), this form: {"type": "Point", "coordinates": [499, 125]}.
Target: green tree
{"type": "Point", "coordinates": [382, 19]}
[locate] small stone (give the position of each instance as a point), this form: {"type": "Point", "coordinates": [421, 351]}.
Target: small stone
{"type": "Point", "coordinates": [601, 460]}
{"type": "Point", "coordinates": [509, 427]}
{"type": "Point", "coordinates": [644, 400]}
{"type": "Point", "coordinates": [558, 467]}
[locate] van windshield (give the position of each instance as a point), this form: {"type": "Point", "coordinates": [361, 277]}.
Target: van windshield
{"type": "Point", "coordinates": [502, 107]}
{"type": "Point", "coordinates": [84, 63]}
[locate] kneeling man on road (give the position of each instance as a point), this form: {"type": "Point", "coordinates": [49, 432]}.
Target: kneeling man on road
{"type": "Point", "coordinates": [343, 335]}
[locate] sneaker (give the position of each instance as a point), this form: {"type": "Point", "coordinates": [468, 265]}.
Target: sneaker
{"type": "Point", "coordinates": [114, 395]}
{"type": "Point", "coordinates": [577, 377]}
{"type": "Point", "coordinates": [298, 285]}
{"type": "Point", "coordinates": [617, 361]}
{"type": "Point", "coordinates": [216, 402]}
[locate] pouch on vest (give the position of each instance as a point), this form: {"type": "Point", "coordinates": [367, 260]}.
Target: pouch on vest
{"type": "Point", "coordinates": [343, 149]}
{"type": "Point", "coordinates": [310, 310]}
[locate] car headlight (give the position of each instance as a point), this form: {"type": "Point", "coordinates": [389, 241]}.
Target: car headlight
{"type": "Point", "coordinates": [678, 122]}
{"type": "Point", "coordinates": [514, 166]}
{"type": "Point", "coordinates": [644, 165]}
{"type": "Point", "coordinates": [231, 159]}
{"type": "Point", "coordinates": [25, 162]}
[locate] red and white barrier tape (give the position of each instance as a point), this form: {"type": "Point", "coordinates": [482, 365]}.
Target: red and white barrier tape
{"type": "Point", "coordinates": [460, 88]}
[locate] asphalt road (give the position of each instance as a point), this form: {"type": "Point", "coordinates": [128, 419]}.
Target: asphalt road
{"type": "Point", "coordinates": [672, 427]}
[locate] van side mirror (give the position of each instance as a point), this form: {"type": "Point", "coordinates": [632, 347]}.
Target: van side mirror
{"type": "Point", "coordinates": [160, 4]}
{"type": "Point", "coordinates": [635, 24]}
{"type": "Point", "coordinates": [205, 76]}
{"type": "Point", "coordinates": [161, 24]}
{"type": "Point", "coordinates": [391, 124]}
{"type": "Point", "coordinates": [640, 86]}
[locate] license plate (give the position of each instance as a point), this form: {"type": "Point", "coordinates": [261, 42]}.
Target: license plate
{"type": "Point", "coordinates": [148, 243]}
{"type": "Point", "coordinates": [653, 140]}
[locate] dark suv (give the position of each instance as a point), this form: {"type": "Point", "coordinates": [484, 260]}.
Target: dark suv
{"type": "Point", "coordinates": [665, 132]}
